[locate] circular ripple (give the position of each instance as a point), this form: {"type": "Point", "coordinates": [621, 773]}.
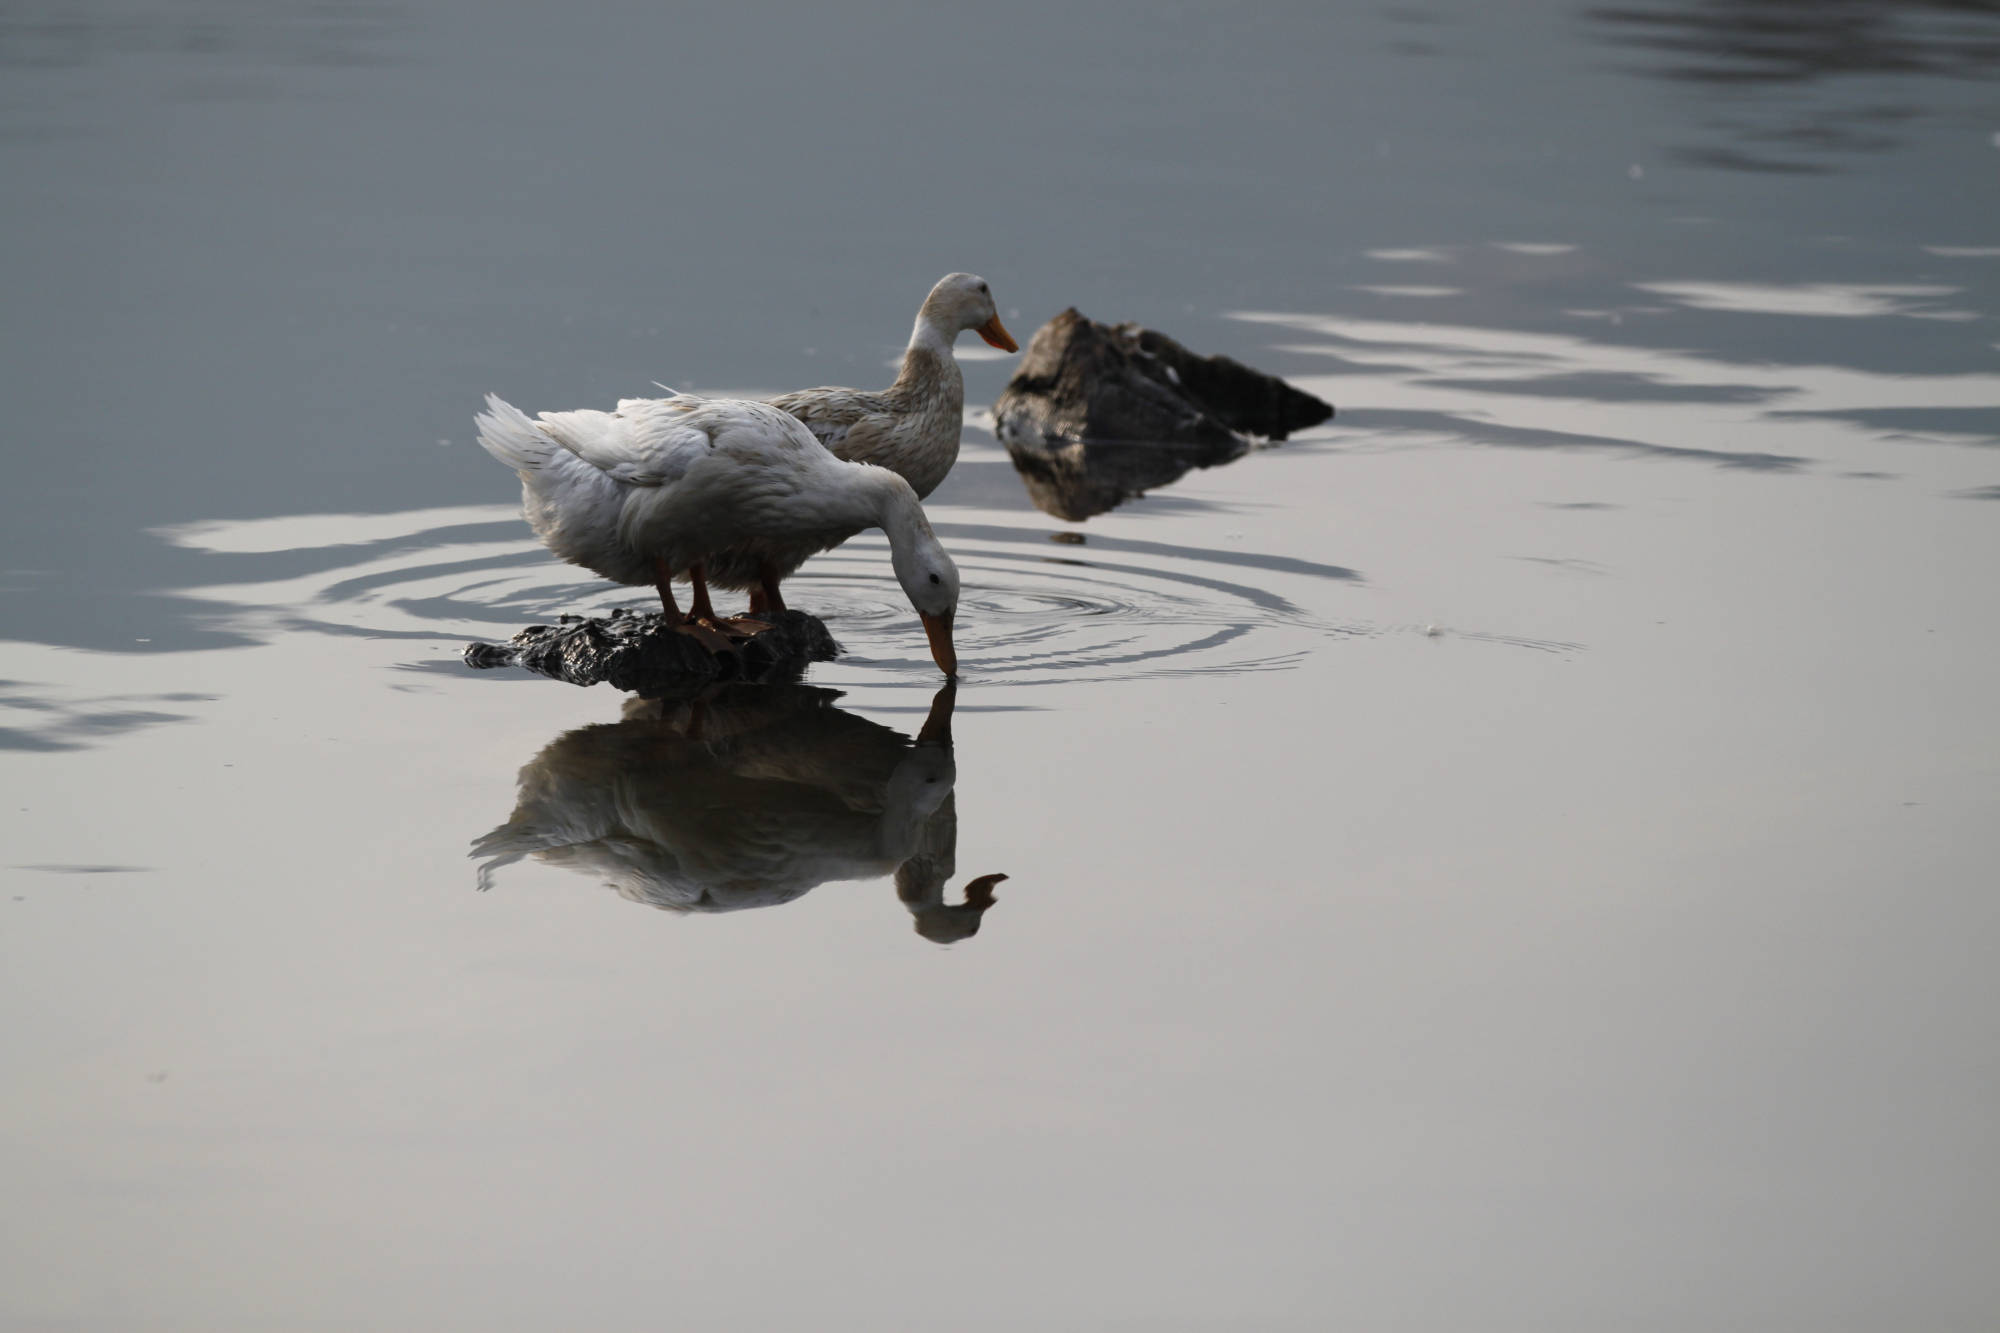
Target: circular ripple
{"type": "Point", "coordinates": [1115, 610]}
{"type": "Point", "coordinates": [1027, 616]}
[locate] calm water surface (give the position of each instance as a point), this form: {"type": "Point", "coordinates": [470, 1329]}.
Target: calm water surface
{"type": "Point", "coordinates": [1519, 856]}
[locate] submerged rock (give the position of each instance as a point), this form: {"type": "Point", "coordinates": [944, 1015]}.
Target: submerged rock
{"type": "Point", "coordinates": [639, 653]}
{"type": "Point", "coordinates": [1098, 413]}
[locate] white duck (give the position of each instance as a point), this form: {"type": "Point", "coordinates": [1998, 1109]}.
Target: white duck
{"type": "Point", "coordinates": [911, 427]}
{"type": "Point", "coordinates": [666, 487]}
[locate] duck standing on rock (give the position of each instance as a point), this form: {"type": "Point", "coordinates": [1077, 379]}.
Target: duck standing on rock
{"type": "Point", "coordinates": [911, 427]}
{"type": "Point", "coordinates": [707, 488]}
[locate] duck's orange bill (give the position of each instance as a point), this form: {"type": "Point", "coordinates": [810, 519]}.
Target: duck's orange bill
{"type": "Point", "coordinates": [979, 892]}
{"type": "Point", "coordinates": [995, 333]}
{"type": "Point", "coordinates": [938, 628]}
{"type": "Point", "coordinates": [937, 726]}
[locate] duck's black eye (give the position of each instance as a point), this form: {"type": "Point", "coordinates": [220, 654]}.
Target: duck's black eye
{"type": "Point", "coordinates": [935, 579]}
{"type": "Point", "coordinates": [982, 289]}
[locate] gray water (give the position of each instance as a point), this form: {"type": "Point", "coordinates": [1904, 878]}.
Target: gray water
{"type": "Point", "coordinates": [1518, 856]}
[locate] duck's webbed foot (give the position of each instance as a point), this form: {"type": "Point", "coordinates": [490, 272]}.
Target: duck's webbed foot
{"type": "Point", "coordinates": [699, 622]}
{"type": "Point", "coordinates": [702, 621]}
{"type": "Point", "coordinates": [766, 604]}
{"type": "Point", "coordinates": [734, 628]}
{"type": "Point", "coordinates": [717, 643]}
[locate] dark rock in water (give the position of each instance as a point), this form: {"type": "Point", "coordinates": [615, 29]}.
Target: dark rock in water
{"type": "Point", "coordinates": [1245, 400]}
{"type": "Point", "coordinates": [1098, 413]}
{"type": "Point", "coordinates": [639, 653]}
{"type": "Point", "coordinates": [1081, 380]}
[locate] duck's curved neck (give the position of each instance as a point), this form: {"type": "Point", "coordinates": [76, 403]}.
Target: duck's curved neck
{"type": "Point", "coordinates": [861, 495]}
{"type": "Point", "coordinates": [927, 361]}
{"type": "Point", "coordinates": [897, 510]}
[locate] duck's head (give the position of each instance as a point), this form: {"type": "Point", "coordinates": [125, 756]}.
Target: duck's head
{"type": "Point", "coordinates": [948, 923]}
{"type": "Point", "coordinates": [963, 301]}
{"type": "Point", "coordinates": [930, 581]}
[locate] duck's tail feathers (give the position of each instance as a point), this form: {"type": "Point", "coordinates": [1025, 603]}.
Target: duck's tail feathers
{"type": "Point", "coordinates": [506, 845]}
{"type": "Point", "coordinates": [506, 432]}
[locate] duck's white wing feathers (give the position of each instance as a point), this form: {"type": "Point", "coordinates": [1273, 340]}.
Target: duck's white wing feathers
{"type": "Point", "coordinates": [646, 442]}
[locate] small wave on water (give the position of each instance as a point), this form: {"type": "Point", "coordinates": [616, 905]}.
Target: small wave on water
{"type": "Point", "coordinates": [1032, 611]}
{"type": "Point", "coordinates": [1494, 387]}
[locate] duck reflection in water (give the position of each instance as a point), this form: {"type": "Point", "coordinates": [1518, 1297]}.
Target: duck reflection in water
{"type": "Point", "coordinates": [748, 796]}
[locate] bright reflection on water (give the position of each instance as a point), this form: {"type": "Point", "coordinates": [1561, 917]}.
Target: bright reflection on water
{"type": "Point", "coordinates": [1518, 856]}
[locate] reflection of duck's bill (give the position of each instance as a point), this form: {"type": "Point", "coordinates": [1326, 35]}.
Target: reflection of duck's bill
{"type": "Point", "coordinates": [946, 923]}
{"type": "Point", "coordinates": [996, 335]}
{"type": "Point", "coordinates": [979, 892]}
{"type": "Point", "coordinates": [938, 630]}
{"type": "Point", "coordinates": [937, 727]}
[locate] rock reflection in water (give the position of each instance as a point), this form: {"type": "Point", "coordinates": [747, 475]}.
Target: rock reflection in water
{"type": "Point", "coordinates": [1075, 479]}
{"type": "Point", "coordinates": [748, 796]}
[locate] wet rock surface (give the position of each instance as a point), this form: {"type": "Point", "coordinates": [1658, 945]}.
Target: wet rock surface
{"type": "Point", "coordinates": [639, 653]}
{"type": "Point", "coordinates": [1082, 380]}
{"type": "Point", "coordinates": [1099, 413]}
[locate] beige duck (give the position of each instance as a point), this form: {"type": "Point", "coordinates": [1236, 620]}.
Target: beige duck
{"type": "Point", "coordinates": [911, 427]}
